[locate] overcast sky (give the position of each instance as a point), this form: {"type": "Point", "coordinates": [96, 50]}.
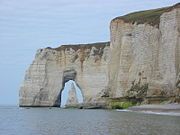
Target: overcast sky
{"type": "Point", "coordinates": [27, 25]}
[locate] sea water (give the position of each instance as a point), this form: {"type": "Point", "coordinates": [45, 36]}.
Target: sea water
{"type": "Point", "coordinates": [56, 121]}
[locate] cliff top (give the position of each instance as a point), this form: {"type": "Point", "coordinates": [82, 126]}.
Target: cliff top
{"type": "Point", "coordinates": [82, 46]}
{"type": "Point", "coordinates": [151, 17]}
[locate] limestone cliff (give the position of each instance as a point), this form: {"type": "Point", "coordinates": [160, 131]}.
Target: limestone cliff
{"type": "Point", "coordinates": [86, 64]}
{"type": "Point", "coordinates": [145, 53]}
{"type": "Point", "coordinates": [143, 61]}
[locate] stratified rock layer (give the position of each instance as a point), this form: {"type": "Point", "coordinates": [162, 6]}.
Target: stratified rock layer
{"type": "Point", "coordinates": [145, 58]}
{"type": "Point", "coordinates": [52, 68]}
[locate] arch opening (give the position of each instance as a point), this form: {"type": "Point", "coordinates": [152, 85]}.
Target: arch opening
{"type": "Point", "coordinates": [70, 94]}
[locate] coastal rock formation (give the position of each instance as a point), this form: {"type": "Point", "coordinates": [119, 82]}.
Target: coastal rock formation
{"type": "Point", "coordinates": [86, 64]}
{"type": "Point", "coordinates": [72, 97]}
{"type": "Point", "coordinates": [143, 61]}
{"type": "Point", "coordinates": [145, 53]}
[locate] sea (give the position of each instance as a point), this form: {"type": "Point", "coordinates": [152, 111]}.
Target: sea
{"type": "Point", "coordinates": [56, 121]}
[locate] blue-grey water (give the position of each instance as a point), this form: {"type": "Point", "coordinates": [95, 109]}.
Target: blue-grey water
{"type": "Point", "coordinates": [56, 121]}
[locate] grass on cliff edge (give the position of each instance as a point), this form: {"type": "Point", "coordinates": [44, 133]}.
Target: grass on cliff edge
{"type": "Point", "coordinates": [151, 17]}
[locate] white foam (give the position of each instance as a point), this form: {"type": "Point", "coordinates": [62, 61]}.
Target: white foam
{"type": "Point", "coordinates": [150, 112]}
{"type": "Point", "coordinates": [162, 113]}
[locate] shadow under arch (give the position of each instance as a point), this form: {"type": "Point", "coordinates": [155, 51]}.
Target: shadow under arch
{"type": "Point", "coordinates": [68, 75]}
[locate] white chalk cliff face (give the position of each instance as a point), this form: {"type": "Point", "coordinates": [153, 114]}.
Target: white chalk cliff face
{"type": "Point", "coordinates": [145, 59]}
{"type": "Point", "coordinates": [52, 68]}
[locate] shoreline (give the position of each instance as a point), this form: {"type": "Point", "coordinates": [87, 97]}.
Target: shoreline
{"type": "Point", "coordinates": [161, 109]}
{"type": "Point", "coordinates": [165, 109]}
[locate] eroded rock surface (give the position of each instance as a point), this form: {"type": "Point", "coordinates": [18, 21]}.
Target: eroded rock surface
{"type": "Point", "coordinates": [52, 68]}
{"type": "Point", "coordinates": [145, 58]}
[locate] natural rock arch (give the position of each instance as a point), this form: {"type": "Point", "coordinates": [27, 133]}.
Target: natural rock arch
{"type": "Point", "coordinates": [68, 75]}
{"type": "Point", "coordinates": [52, 68]}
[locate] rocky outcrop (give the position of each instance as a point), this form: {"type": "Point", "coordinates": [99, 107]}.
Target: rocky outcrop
{"type": "Point", "coordinates": [72, 97]}
{"type": "Point", "coordinates": [145, 56]}
{"type": "Point", "coordinates": [143, 61]}
{"type": "Point", "coordinates": [86, 64]}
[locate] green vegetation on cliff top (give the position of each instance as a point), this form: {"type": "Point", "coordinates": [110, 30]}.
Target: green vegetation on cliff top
{"type": "Point", "coordinates": [151, 17]}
